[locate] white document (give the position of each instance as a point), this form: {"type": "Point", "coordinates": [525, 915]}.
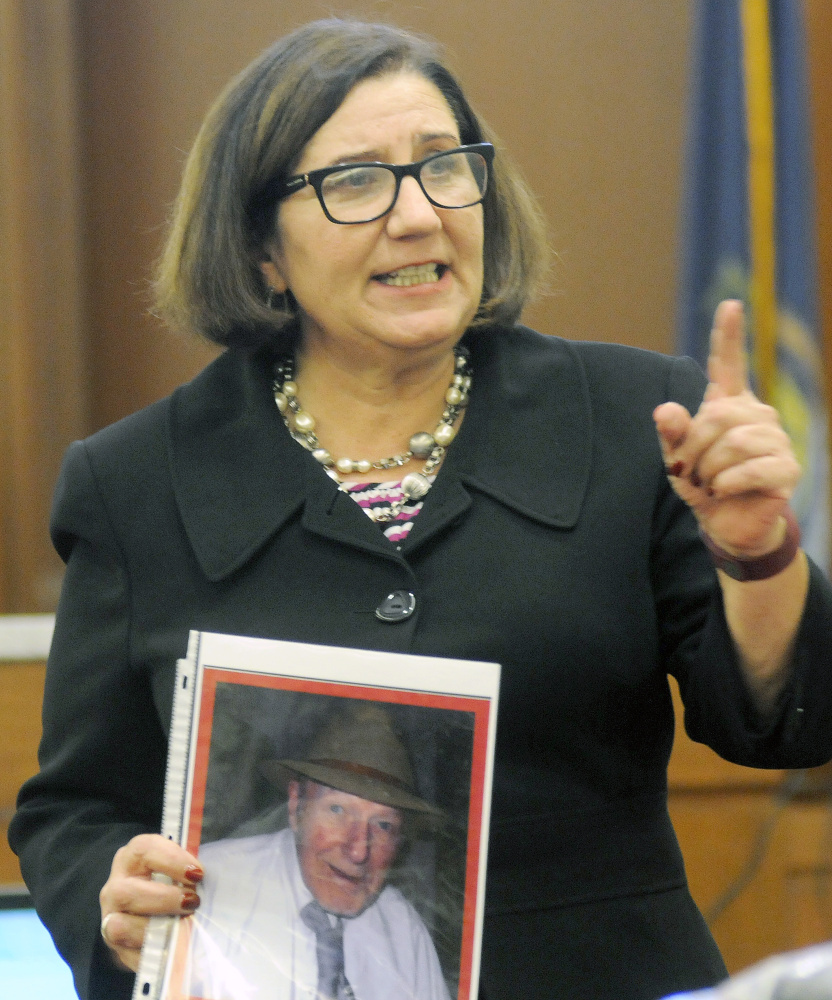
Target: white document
{"type": "Point", "coordinates": [354, 781]}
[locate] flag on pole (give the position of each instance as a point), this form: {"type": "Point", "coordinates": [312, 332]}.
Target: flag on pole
{"type": "Point", "coordinates": [748, 223]}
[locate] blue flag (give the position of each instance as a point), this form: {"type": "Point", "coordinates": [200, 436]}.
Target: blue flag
{"type": "Point", "coordinates": [748, 224]}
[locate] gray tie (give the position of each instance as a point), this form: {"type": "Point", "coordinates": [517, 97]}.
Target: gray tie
{"type": "Point", "coordinates": [332, 983]}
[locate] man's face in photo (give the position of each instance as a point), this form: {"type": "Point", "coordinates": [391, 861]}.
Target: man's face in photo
{"type": "Point", "coordinates": [345, 845]}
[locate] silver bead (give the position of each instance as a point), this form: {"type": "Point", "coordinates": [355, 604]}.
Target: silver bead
{"type": "Point", "coordinates": [444, 434]}
{"type": "Point", "coordinates": [421, 444]}
{"type": "Point", "coordinates": [415, 485]}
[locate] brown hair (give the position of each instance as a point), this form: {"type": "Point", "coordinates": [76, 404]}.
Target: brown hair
{"type": "Point", "coordinates": [208, 278]}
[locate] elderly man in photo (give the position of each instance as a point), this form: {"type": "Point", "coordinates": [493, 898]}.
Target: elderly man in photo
{"type": "Point", "coordinates": [307, 912]}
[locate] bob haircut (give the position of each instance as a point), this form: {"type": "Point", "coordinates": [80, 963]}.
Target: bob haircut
{"type": "Point", "coordinates": [209, 280]}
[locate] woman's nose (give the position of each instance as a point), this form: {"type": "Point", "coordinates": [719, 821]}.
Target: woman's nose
{"type": "Point", "coordinates": [412, 213]}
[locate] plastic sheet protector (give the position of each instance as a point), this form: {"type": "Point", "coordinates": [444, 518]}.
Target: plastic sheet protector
{"type": "Point", "coordinates": [338, 801]}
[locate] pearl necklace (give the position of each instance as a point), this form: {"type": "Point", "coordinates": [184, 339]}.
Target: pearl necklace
{"type": "Point", "coordinates": [432, 447]}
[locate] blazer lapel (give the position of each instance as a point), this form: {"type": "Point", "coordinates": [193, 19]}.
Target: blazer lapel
{"type": "Point", "coordinates": [238, 476]}
{"type": "Point", "coordinates": [526, 439]}
{"type": "Point", "coordinates": [235, 480]}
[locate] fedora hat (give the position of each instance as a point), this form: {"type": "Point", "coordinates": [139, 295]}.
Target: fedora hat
{"type": "Point", "coordinates": [359, 752]}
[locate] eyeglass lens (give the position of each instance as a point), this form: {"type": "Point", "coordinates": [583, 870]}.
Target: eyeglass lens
{"type": "Point", "coordinates": [359, 194]}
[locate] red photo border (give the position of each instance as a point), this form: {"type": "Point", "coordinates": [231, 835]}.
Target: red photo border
{"type": "Point", "coordinates": [480, 708]}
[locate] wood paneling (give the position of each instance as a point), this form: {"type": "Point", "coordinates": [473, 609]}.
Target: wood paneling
{"type": "Point", "coordinates": [21, 693]}
{"type": "Point", "coordinates": [757, 850]}
{"type": "Point", "coordinates": [42, 375]}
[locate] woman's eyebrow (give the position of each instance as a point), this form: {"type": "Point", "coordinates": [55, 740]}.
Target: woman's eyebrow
{"type": "Point", "coordinates": [377, 156]}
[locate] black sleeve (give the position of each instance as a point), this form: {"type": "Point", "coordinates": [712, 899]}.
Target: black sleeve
{"type": "Point", "coordinates": [102, 755]}
{"type": "Point", "coordinates": [700, 652]}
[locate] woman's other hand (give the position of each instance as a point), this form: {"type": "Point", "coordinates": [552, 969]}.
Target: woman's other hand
{"type": "Point", "coordinates": [732, 462]}
{"type": "Point", "coordinates": [131, 895]}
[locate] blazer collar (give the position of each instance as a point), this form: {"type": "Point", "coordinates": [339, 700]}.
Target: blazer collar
{"type": "Point", "coordinates": [526, 441]}
{"type": "Point", "coordinates": [527, 437]}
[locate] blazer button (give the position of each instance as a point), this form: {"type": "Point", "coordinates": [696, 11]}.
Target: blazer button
{"type": "Point", "coordinates": [397, 606]}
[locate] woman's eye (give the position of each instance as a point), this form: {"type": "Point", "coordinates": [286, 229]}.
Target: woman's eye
{"type": "Point", "coordinates": [443, 166]}
{"type": "Point", "coordinates": [357, 180]}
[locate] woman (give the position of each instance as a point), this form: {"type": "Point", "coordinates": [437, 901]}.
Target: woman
{"type": "Point", "coordinates": [535, 519]}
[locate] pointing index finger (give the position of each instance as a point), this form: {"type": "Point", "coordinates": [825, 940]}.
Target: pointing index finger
{"type": "Point", "coordinates": [727, 367]}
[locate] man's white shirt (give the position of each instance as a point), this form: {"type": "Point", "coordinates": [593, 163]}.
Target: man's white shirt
{"type": "Point", "coordinates": [250, 943]}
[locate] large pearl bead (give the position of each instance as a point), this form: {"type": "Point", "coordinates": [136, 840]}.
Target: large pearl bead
{"type": "Point", "coordinates": [323, 456]}
{"type": "Point", "coordinates": [289, 388]}
{"type": "Point", "coordinates": [345, 466]}
{"type": "Point", "coordinates": [453, 396]}
{"type": "Point", "coordinates": [444, 434]}
{"type": "Point", "coordinates": [282, 402]}
{"type": "Point", "coordinates": [303, 422]}
{"type": "Point", "coordinates": [363, 466]}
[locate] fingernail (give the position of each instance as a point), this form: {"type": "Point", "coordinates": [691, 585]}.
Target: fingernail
{"type": "Point", "coordinates": [190, 902]}
{"type": "Point", "coordinates": [675, 469]}
{"type": "Point", "coordinates": [194, 874]}
{"type": "Point", "coordinates": [695, 480]}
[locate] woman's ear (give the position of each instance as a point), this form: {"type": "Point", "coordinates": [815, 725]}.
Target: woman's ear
{"type": "Point", "coordinates": [274, 279]}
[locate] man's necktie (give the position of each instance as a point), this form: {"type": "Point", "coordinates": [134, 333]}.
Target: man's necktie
{"type": "Point", "coordinates": [332, 983]}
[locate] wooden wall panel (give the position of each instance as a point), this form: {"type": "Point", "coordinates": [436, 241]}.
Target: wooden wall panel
{"type": "Point", "coordinates": [756, 845]}
{"type": "Point", "coordinates": [21, 693]}
{"type": "Point", "coordinates": [42, 373]}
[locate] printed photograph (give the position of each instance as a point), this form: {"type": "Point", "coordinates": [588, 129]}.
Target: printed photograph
{"type": "Point", "coordinates": [334, 824]}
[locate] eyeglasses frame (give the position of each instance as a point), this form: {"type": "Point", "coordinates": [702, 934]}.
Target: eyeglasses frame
{"type": "Point", "coordinates": [316, 178]}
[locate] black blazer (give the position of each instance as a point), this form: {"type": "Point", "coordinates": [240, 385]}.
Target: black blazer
{"type": "Point", "coordinates": [551, 543]}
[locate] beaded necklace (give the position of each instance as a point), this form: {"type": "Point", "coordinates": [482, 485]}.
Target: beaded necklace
{"type": "Point", "coordinates": [431, 447]}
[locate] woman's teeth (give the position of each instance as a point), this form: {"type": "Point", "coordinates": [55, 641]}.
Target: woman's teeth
{"type": "Point", "coordinates": [417, 274]}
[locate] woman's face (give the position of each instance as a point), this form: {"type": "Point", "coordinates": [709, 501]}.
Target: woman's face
{"type": "Point", "coordinates": [344, 277]}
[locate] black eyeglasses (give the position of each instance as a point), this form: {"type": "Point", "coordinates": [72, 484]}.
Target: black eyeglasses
{"type": "Point", "coordinates": [363, 192]}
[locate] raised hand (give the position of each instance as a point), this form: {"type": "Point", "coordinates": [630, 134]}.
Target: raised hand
{"type": "Point", "coordinates": [732, 462]}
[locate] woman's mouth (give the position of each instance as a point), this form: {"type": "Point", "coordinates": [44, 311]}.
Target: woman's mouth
{"type": "Point", "coordinates": [414, 274]}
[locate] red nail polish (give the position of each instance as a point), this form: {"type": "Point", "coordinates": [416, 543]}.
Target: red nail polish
{"type": "Point", "coordinates": [675, 469]}
{"type": "Point", "coordinates": [194, 874]}
{"type": "Point", "coordinates": [190, 902]}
